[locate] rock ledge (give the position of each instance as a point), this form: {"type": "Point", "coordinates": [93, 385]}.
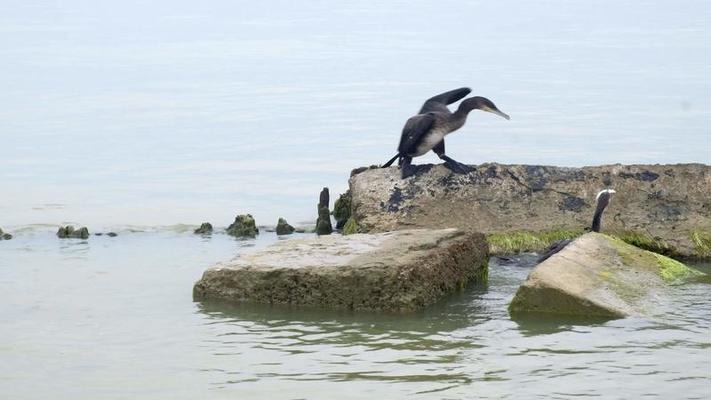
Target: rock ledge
{"type": "Point", "coordinates": [396, 271]}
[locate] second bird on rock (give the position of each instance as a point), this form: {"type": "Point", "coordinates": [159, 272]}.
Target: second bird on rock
{"type": "Point", "coordinates": [426, 130]}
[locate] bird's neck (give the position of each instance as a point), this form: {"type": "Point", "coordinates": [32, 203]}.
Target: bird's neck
{"type": "Point", "coordinates": [597, 218]}
{"type": "Point", "coordinates": [459, 117]}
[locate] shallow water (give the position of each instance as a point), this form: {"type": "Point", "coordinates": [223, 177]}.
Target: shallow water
{"type": "Point", "coordinates": [147, 117]}
{"type": "Point", "coordinates": [113, 318]}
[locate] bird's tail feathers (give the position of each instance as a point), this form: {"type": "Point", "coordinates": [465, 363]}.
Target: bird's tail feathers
{"type": "Point", "coordinates": [391, 161]}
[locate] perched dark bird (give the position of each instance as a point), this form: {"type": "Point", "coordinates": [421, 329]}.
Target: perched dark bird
{"type": "Point", "coordinates": [426, 130]}
{"type": "Point", "coordinates": [603, 199]}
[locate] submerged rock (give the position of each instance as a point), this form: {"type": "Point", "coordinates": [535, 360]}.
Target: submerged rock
{"type": "Point", "coordinates": [204, 229]}
{"type": "Point", "coordinates": [398, 271]}
{"type": "Point", "coordinates": [283, 227]}
{"type": "Point", "coordinates": [5, 236]}
{"type": "Point", "coordinates": [323, 222]}
{"type": "Point", "coordinates": [342, 209]}
{"type": "Point", "coordinates": [600, 276]}
{"type": "Point", "coordinates": [244, 226]}
{"type": "Point", "coordinates": [310, 229]}
{"type": "Point", "coordinates": [665, 208]}
{"type": "Point", "coordinates": [109, 234]}
{"type": "Point", "coordinates": [68, 232]}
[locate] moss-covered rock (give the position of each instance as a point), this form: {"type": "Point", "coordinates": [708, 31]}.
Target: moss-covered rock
{"type": "Point", "coordinates": [68, 232]}
{"type": "Point", "coordinates": [244, 227]}
{"type": "Point", "coordinates": [600, 276]}
{"type": "Point", "coordinates": [702, 243]}
{"type": "Point", "coordinates": [342, 209]}
{"type": "Point", "coordinates": [204, 229]}
{"type": "Point", "coordinates": [350, 227]}
{"type": "Point", "coordinates": [522, 241]}
{"type": "Point", "coordinates": [283, 227]}
{"type": "Point", "coordinates": [5, 236]}
{"type": "Point", "coordinates": [646, 242]}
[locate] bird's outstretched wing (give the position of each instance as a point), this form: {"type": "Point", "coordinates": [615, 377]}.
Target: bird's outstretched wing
{"type": "Point", "coordinates": [415, 128]}
{"type": "Point", "coordinates": [553, 249]}
{"type": "Point", "coordinates": [439, 102]}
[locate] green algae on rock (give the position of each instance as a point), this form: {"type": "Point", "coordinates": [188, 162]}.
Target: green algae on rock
{"type": "Point", "coordinates": [342, 209]}
{"type": "Point", "coordinates": [523, 241]}
{"type": "Point", "coordinates": [506, 243]}
{"type": "Point", "coordinates": [702, 242]}
{"type": "Point", "coordinates": [244, 226]}
{"type": "Point", "coordinates": [283, 227]}
{"type": "Point", "coordinates": [350, 227]}
{"type": "Point", "coordinates": [395, 271]}
{"type": "Point", "coordinates": [600, 276]}
{"type": "Point", "coordinates": [68, 232]}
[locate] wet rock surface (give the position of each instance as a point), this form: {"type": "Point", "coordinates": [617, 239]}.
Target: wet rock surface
{"type": "Point", "coordinates": [283, 227]}
{"type": "Point", "coordinates": [670, 204]}
{"type": "Point", "coordinates": [204, 229]}
{"type": "Point", "coordinates": [323, 222]}
{"type": "Point", "coordinates": [68, 232]}
{"type": "Point", "coordinates": [600, 276]}
{"type": "Point", "coordinates": [342, 209]}
{"type": "Point", "coordinates": [396, 271]}
{"type": "Point", "coordinates": [244, 227]}
{"type": "Point", "coordinates": [4, 236]}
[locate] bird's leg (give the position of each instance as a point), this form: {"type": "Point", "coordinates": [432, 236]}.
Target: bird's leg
{"type": "Point", "coordinates": [406, 168]}
{"type": "Point", "coordinates": [450, 163]}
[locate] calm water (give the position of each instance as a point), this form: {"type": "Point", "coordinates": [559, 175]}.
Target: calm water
{"type": "Point", "coordinates": [139, 116]}
{"type": "Point", "coordinates": [80, 322]}
{"type": "Point", "coordinates": [165, 112]}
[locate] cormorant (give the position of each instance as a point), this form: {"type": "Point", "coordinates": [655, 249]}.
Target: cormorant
{"type": "Point", "coordinates": [426, 130]}
{"type": "Point", "coordinates": [603, 199]}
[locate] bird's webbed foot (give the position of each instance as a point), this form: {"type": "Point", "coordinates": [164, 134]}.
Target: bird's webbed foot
{"type": "Point", "coordinates": [456, 166]}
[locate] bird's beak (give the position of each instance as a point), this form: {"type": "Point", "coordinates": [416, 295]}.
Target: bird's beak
{"type": "Point", "coordinates": [496, 111]}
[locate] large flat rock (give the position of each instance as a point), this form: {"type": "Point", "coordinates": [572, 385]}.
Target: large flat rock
{"type": "Point", "coordinates": [671, 203]}
{"type": "Point", "coordinates": [600, 276]}
{"type": "Point", "coordinates": [398, 271]}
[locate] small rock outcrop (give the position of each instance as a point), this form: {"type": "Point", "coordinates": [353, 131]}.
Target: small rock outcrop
{"type": "Point", "coordinates": [396, 271]}
{"type": "Point", "coordinates": [342, 209]}
{"type": "Point", "coordinates": [323, 222]}
{"type": "Point", "coordinates": [5, 236]}
{"type": "Point", "coordinates": [244, 226]}
{"type": "Point", "coordinates": [204, 229]}
{"type": "Point", "coordinates": [665, 206]}
{"type": "Point", "coordinates": [283, 227]}
{"type": "Point", "coordinates": [109, 234]}
{"type": "Point", "coordinates": [68, 232]}
{"type": "Point", "coordinates": [600, 276]}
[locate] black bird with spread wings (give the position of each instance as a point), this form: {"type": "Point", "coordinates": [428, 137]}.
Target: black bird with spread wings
{"type": "Point", "coordinates": [426, 130]}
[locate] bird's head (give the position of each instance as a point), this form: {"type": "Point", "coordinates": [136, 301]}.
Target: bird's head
{"type": "Point", "coordinates": [603, 198]}
{"type": "Point", "coordinates": [483, 104]}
